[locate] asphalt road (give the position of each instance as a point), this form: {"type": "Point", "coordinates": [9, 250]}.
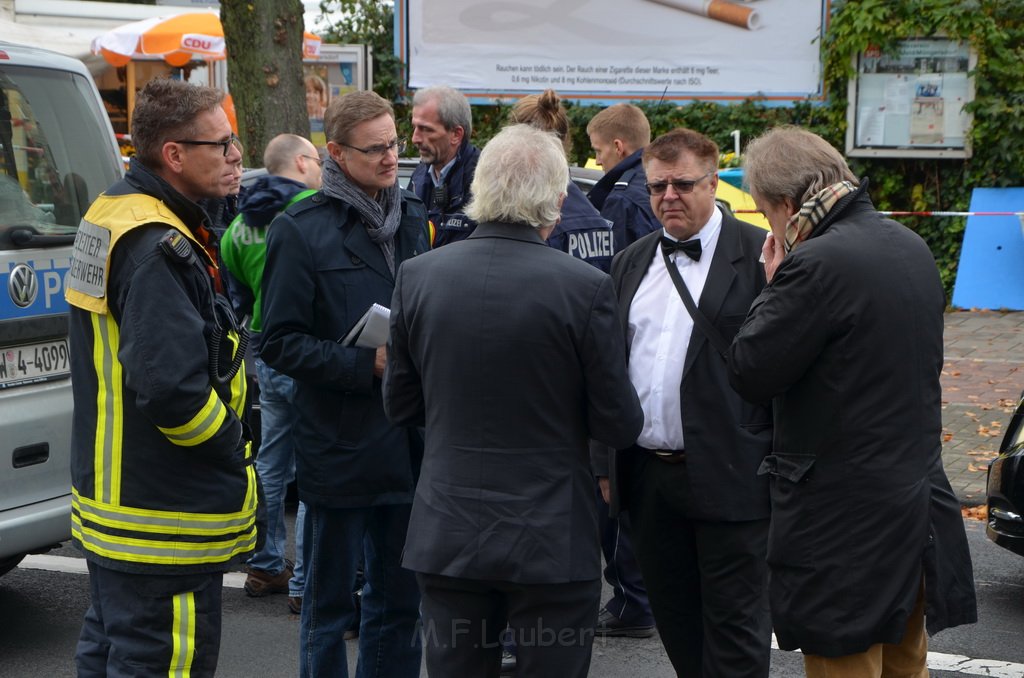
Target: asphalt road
{"type": "Point", "coordinates": [41, 612]}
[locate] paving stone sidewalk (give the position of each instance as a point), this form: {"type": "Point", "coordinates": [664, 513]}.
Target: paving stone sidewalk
{"type": "Point", "coordinates": [982, 378]}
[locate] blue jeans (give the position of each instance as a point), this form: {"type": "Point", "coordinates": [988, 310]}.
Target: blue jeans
{"type": "Point", "coordinates": [275, 464]}
{"type": "Point", "coordinates": [389, 638]}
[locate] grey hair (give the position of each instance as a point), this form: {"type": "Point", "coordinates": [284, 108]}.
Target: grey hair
{"type": "Point", "coordinates": [519, 178]}
{"type": "Point", "coordinates": [166, 110]}
{"type": "Point", "coordinates": [452, 106]}
{"type": "Point", "coordinates": [791, 162]}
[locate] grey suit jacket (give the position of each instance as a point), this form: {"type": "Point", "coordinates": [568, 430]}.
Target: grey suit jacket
{"type": "Point", "coordinates": [726, 436]}
{"type": "Point", "coordinates": [510, 353]}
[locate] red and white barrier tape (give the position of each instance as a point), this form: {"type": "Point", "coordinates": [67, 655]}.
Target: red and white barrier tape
{"type": "Point", "coordinates": [925, 214]}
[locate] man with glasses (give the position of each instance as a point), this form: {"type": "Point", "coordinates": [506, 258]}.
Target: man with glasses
{"type": "Point", "coordinates": [441, 125]}
{"type": "Point", "coordinates": [698, 509]}
{"type": "Point", "coordinates": [330, 258]}
{"type": "Point", "coordinates": [293, 167]}
{"type": "Point", "coordinates": [164, 492]}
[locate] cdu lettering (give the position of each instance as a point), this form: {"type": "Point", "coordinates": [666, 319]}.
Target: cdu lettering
{"type": "Point", "coordinates": [197, 43]}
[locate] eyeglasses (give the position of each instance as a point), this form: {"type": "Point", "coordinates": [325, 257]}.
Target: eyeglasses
{"type": "Point", "coordinates": [377, 152]}
{"type": "Point", "coordinates": [226, 144]}
{"type": "Point", "coordinates": [314, 158]}
{"type": "Point", "coordinates": [681, 186]}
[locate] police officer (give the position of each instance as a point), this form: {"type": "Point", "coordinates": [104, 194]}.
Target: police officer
{"type": "Point", "coordinates": [441, 125]}
{"type": "Point", "coordinates": [163, 487]}
{"type": "Point", "coordinates": [581, 231]}
{"type": "Point", "coordinates": [618, 135]}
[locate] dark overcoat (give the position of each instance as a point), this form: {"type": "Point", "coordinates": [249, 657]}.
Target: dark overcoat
{"type": "Point", "coordinates": [322, 273]}
{"type": "Point", "coordinates": [847, 342]}
{"type": "Point", "coordinates": [511, 382]}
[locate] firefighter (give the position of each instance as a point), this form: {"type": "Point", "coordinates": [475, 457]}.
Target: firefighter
{"type": "Point", "coordinates": [164, 493]}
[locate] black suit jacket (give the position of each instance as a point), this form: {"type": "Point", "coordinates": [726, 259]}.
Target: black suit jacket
{"type": "Point", "coordinates": [510, 353]}
{"type": "Point", "coordinates": [726, 436]}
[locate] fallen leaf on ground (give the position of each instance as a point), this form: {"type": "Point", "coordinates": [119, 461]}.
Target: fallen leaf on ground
{"type": "Point", "coordinates": [975, 512]}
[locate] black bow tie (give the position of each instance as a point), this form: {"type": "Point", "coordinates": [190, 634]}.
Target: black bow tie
{"type": "Point", "coordinates": [690, 248]}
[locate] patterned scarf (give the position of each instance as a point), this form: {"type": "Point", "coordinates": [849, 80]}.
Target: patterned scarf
{"type": "Point", "coordinates": [813, 211]}
{"type": "Point", "coordinates": [381, 217]}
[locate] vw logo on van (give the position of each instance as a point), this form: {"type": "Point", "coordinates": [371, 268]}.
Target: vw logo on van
{"type": "Point", "coordinates": [23, 285]}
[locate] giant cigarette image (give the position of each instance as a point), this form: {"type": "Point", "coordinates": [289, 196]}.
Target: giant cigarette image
{"type": "Point", "coordinates": [721, 10]}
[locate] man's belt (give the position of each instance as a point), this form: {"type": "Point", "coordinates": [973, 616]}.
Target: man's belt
{"type": "Point", "coordinates": [668, 456]}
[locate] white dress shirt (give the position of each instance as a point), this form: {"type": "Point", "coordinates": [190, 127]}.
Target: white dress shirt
{"type": "Point", "coordinates": [659, 333]}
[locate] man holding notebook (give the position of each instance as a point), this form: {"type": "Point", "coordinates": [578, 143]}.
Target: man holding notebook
{"type": "Point", "coordinates": [329, 259]}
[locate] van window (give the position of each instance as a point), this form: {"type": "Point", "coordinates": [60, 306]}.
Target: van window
{"type": "Point", "coordinates": [55, 157]}
{"type": "Point", "coordinates": [57, 154]}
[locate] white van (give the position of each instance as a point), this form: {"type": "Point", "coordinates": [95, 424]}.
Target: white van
{"type": "Point", "coordinates": [57, 153]}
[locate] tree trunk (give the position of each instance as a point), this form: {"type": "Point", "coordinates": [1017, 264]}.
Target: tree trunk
{"type": "Point", "coordinates": [264, 45]}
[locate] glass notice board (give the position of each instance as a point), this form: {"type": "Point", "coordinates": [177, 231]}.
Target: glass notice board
{"type": "Point", "coordinates": [909, 101]}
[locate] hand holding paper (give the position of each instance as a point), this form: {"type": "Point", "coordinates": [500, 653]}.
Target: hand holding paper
{"type": "Point", "coordinates": [370, 331]}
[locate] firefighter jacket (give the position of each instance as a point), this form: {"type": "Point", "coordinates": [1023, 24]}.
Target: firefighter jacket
{"type": "Point", "coordinates": [162, 479]}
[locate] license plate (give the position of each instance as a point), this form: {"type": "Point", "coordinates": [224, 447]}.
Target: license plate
{"type": "Point", "coordinates": [33, 363]}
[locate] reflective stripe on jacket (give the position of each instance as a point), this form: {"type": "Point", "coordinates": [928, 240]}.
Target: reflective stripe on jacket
{"type": "Point", "coordinates": [162, 480]}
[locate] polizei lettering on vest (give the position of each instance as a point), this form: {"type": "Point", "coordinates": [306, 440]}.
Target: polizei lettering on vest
{"type": "Point", "coordinates": [591, 245]}
{"type": "Point", "coordinates": [247, 235]}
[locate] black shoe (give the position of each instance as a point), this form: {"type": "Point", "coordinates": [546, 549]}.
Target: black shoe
{"type": "Point", "coordinates": [508, 662]}
{"type": "Point", "coordinates": [610, 626]}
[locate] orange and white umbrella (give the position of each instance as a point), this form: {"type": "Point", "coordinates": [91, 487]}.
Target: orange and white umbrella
{"type": "Point", "coordinates": [176, 39]}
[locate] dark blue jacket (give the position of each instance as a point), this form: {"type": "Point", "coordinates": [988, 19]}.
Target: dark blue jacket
{"type": "Point", "coordinates": [621, 197]}
{"type": "Point", "coordinates": [449, 220]}
{"type": "Point", "coordinates": [266, 197]}
{"type": "Point", "coordinates": [322, 273]}
{"type": "Point", "coordinates": [583, 232]}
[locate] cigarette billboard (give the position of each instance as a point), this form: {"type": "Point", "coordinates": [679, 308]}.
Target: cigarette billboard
{"type": "Point", "coordinates": [615, 49]}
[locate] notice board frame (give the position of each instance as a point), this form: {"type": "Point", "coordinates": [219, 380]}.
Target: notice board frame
{"type": "Point", "coordinates": [909, 102]}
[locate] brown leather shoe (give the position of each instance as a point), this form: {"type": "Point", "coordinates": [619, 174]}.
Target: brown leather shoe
{"type": "Point", "coordinates": [295, 604]}
{"type": "Point", "coordinates": [261, 583]}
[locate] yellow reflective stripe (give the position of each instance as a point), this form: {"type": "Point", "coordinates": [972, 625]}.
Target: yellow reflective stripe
{"type": "Point", "coordinates": [109, 398]}
{"type": "Point", "coordinates": [250, 494]}
{"type": "Point", "coordinates": [159, 552]}
{"type": "Point", "coordinates": [164, 522]}
{"type": "Point", "coordinates": [238, 383]}
{"type": "Point", "coordinates": [201, 427]}
{"type": "Point", "coordinates": [183, 635]}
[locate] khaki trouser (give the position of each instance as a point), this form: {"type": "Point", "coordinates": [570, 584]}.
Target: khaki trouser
{"type": "Point", "coordinates": [908, 659]}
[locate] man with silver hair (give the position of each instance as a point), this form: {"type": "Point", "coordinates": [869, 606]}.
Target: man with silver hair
{"type": "Point", "coordinates": [867, 548]}
{"type": "Point", "coordinates": [503, 525]}
{"type": "Point", "coordinates": [441, 125]}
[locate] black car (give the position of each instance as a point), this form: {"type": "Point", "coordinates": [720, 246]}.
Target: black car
{"type": "Point", "coordinates": [1006, 487]}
